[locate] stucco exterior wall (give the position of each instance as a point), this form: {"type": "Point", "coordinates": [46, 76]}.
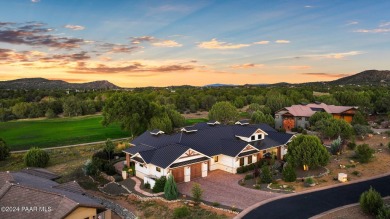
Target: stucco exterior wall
{"type": "Point", "coordinates": [225, 163]}
{"type": "Point", "coordinates": [82, 212]}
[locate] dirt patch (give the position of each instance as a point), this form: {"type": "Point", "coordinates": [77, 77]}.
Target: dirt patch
{"type": "Point", "coordinates": [197, 115]}
{"type": "Point", "coordinates": [351, 212]}
{"type": "Point", "coordinates": [380, 164]}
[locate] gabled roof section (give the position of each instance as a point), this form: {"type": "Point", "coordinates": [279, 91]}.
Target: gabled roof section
{"type": "Point", "coordinates": [163, 156]}
{"type": "Point", "coordinates": [308, 110]}
{"type": "Point", "coordinates": [40, 172]}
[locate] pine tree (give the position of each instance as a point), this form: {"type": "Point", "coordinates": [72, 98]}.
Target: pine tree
{"type": "Point", "coordinates": [170, 188]}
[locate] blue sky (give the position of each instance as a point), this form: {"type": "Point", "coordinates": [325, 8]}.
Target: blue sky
{"type": "Point", "coordinates": [160, 43]}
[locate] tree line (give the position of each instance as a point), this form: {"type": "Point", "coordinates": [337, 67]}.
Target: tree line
{"type": "Point", "coordinates": [15, 104]}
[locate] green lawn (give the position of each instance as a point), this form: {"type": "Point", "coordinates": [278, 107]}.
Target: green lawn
{"type": "Point", "coordinates": [21, 135]}
{"type": "Point", "coordinates": [193, 121]}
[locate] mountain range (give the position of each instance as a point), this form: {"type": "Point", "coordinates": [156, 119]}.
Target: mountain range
{"type": "Point", "coordinates": [369, 77]}
{"type": "Point", "coordinates": [42, 83]}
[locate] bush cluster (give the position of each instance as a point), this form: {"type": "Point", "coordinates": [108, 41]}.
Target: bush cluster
{"type": "Point", "coordinates": [181, 212]}
{"type": "Point", "coordinates": [289, 174]}
{"type": "Point", "coordinates": [4, 150]}
{"type": "Point", "coordinates": [244, 169]}
{"type": "Point", "coordinates": [265, 176]}
{"type": "Point", "coordinates": [371, 201]}
{"type": "Point", "coordinates": [159, 185]}
{"type": "Point", "coordinates": [36, 157]}
{"type": "Point", "coordinates": [364, 153]}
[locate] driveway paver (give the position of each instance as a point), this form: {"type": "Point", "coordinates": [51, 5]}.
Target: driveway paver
{"type": "Point", "coordinates": [222, 187]}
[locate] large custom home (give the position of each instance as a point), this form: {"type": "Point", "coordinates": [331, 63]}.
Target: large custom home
{"type": "Point", "coordinates": [298, 115]}
{"type": "Point", "coordinates": [32, 193]}
{"type": "Point", "coordinates": [204, 147]}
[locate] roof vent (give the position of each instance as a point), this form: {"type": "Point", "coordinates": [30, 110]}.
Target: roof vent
{"type": "Point", "coordinates": [189, 129]}
{"type": "Point", "coordinates": [213, 122]}
{"type": "Point", "coordinates": [303, 103]}
{"type": "Point", "coordinates": [156, 132]}
{"type": "Point", "coordinates": [317, 102]}
{"type": "Point", "coordinates": [242, 122]}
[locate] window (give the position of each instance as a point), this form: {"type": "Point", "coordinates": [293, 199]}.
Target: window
{"type": "Point", "coordinates": [299, 118]}
{"type": "Point", "coordinates": [253, 137]}
{"type": "Point", "coordinates": [241, 162]}
{"type": "Point", "coordinates": [259, 137]}
{"type": "Point", "coordinates": [250, 159]}
{"type": "Point", "coordinates": [158, 169]}
{"type": "Point", "coordinates": [216, 159]}
{"type": "Point", "coordinates": [141, 165]}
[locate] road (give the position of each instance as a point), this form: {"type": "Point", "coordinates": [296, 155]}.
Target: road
{"type": "Point", "coordinates": [313, 203]}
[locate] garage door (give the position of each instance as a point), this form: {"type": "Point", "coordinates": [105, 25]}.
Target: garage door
{"type": "Point", "coordinates": [178, 174]}
{"type": "Point", "coordinates": [196, 170]}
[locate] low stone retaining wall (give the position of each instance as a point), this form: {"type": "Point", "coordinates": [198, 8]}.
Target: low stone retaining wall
{"type": "Point", "coordinates": [179, 200]}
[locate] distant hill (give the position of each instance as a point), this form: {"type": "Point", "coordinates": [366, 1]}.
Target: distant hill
{"type": "Point", "coordinates": [219, 85]}
{"type": "Point", "coordinates": [42, 83]}
{"type": "Point", "coordinates": [366, 77]}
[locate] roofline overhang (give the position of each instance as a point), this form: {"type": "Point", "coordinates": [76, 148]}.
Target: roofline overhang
{"type": "Point", "coordinates": [244, 148]}
{"type": "Point", "coordinates": [184, 153]}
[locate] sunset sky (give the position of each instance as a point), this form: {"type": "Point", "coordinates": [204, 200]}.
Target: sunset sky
{"type": "Point", "coordinates": [161, 43]}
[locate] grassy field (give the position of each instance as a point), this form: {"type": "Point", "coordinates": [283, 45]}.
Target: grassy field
{"type": "Point", "coordinates": [21, 135]}
{"type": "Point", "coordinates": [193, 121]}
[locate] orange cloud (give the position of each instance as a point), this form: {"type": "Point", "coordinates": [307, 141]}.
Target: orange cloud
{"type": "Point", "coordinates": [247, 65]}
{"type": "Point", "coordinates": [215, 44]}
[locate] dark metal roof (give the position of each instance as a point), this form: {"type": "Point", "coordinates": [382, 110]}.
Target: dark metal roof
{"type": "Point", "coordinates": [138, 159]}
{"type": "Point", "coordinates": [162, 150]}
{"type": "Point", "coordinates": [185, 163]}
{"type": "Point", "coordinates": [243, 154]}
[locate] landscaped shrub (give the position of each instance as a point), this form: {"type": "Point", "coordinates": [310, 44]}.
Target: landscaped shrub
{"type": "Point", "coordinates": [109, 169]}
{"type": "Point", "coordinates": [100, 154]}
{"type": "Point", "coordinates": [371, 201]}
{"type": "Point", "coordinates": [99, 163]}
{"type": "Point", "coordinates": [4, 150]}
{"type": "Point", "coordinates": [147, 185]}
{"type": "Point", "coordinates": [289, 174]}
{"type": "Point", "coordinates": [216, 204]}
{"type": "Point", "coordinates": [304, 132]}
{"type": "Point", "coordinates": [335, 147]}
{"type": "Point", "coordinates": [170, 188]}
{"type": "Point", "coordinates": [248, 176]}
{"type": "Point", "coordinates": [90, 169]}
{"type": "Point", "coordinates": [309, 181]}
{"type": "Point", "coordinates": [36, 157]}
{"type": "Point", "coordinates": [256, 171]}
{"type": "Point", "coordinates": [266, 176]}
{"type": "Point", "coordinates": [197, 192]}
{"type": "Point", "coordinates": [383, 213]}
{"type": "Point", "coordinates": [351, 145]}
{"type": "Point", "coordinates": [364, 153]}
{"type": "Point", "coordinates": [181, 212]}
{"type": "Point", "coordinates": [160, 184]}
{"type": "Point", "coordinates": [294, 129]}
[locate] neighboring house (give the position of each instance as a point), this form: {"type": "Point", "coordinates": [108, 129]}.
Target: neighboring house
{"type": "Point", "coordinates": [298, 115]}
{"type": "Point", "coordinates": [201, 148]}
{"type": "Point", "coordinates": [32, 193]}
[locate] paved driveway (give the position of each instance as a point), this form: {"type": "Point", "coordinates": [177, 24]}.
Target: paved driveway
{"type": "Point", "coordinates": [222, 187]}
